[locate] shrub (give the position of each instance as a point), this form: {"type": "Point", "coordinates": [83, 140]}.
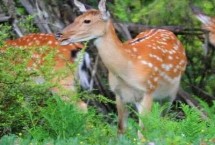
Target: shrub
{"type": "Point", "coordinates": [58, 119]}
{"type": "Point", "coordinates": [18, 88]}
{"type": "Point", "coordinates": [190, 130]}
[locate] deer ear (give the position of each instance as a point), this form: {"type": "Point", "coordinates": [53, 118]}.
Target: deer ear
{"type": "Point", "coordinates": [80, 6]}
{"type": "Point", "coordinates": [203, 18]}
{"type": "Point", "coordinates": [200, 15]}
{"type": "Point", "coordinates": [102, 8]}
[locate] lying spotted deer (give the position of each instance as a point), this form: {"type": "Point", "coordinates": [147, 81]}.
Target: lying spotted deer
{"type": "Point", "coordinates": [140, 70]}
{"type": "Point", "coordinates": [208, 24]}
{"type": "Point", "coordinates": [62, 58]}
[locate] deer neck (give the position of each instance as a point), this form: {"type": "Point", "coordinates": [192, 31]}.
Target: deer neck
{"type": "Point", "coordinates": [110, 49]}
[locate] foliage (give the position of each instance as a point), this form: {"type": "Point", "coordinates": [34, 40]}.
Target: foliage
{"type": "Point", "coordinates": [18, 90]}
{"type": "Point", "coordinates": [59, 120]}
{"type": "Point", "coordinates": [157, 12]}
{"type": "Point", "coordinates": [190, 130]}
{"type": "Point", "coordinates": [93, 130]}
{"type": "Point", "coordinates": [4, 33]}
{"type": "Point", "coordinates": [27, 24]}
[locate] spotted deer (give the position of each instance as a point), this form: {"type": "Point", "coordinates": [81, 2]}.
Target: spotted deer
{"type": "Point", "coordinates": [62, 58]}
{"type": "Point", "coordinates": [146, 68]}
{"type": "Point", "coordinates": [208, 24]}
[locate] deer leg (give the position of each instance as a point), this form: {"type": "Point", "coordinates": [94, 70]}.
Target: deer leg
{"type": "Point", "coordinates": [122, 115]}
{"type": "Point", "coordinates": [143, 107]}
{"type": "Point", "coordinates": [166, 103]}
{"type": "Point", "coordinates": [121, 106]}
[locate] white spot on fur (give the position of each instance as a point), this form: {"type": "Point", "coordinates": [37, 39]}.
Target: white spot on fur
{"type": "Point", "coordinates": [50, 42]}
{"type": "Point", "coordinates": [170, 57]}
{"type": "Point", "coordinates": [175, 70]}
{"type": "Point", "coordinates": [37, 42]}
{"type": "Point", "coordinates": [134, 49]}
{"type": "Point", "coordinates": [155, 79]}
{"type": "Point", "coordinates": [156, 68]}
{"type": "Point", "coordinates": [147, 63]}
{"type": "Point", "coordinates": [162, 42]}
{"type": "Point", "coordinates": [139, 57]}
{"type": "Point", "coordinates": [167, 67]}
{"type": "Point", "coordinates": [154, 47]}
{"type": "Point", "coordinates": [156, 57]}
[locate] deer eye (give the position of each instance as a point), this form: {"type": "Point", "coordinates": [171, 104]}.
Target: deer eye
{"type": "Point", "coordinates": [87, 21]}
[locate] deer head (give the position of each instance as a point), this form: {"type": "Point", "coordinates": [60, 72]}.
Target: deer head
{"type": "Point", "coordinates": [83, 28]}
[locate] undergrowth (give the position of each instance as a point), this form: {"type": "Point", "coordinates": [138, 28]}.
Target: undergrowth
{"type": "Point", "coordinates": [61, 123]}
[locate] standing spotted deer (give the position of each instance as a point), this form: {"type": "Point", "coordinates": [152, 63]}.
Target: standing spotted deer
{"type": "Point", "coordinates": [140, 70]}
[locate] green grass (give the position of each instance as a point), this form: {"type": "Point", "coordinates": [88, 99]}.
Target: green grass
{"type": "Point", "coordinates": [190, 130]}
{"type": "Point", "coordinates": [61, 123]}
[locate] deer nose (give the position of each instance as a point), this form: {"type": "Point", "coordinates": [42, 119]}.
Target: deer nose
{"type": "Point", "coordinates": [58, 35]}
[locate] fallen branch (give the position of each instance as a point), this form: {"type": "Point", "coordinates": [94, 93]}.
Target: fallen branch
{"type": "Point", "coordinates": [191, 102]}
{"type": "Point", "coordinates": [179, 30]}
{"type": "Point", "coordinates": [5, 18]}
